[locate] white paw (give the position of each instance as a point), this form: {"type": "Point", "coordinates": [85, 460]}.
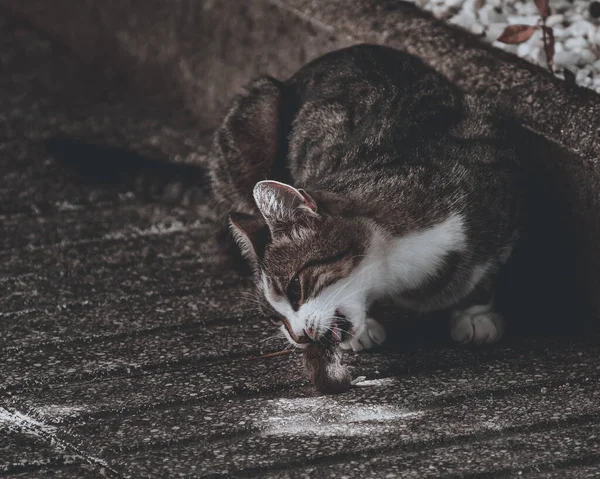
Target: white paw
{"type": "Point", "coordinates": [373, 335]}
{"type": "Point", "coordinates": [476, 325]}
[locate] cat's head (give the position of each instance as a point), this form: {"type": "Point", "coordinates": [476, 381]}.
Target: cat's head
{"type": "Point", "coordinates": [311, 261]}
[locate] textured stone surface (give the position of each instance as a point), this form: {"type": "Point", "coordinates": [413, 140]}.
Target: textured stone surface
{"type": "Point", "coordinates": [20, 450]}
{"type": "Point", "coordinates": [127, 349]}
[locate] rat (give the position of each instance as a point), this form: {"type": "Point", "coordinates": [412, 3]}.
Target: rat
{"type": "Point", "coordinates": [324, 367]}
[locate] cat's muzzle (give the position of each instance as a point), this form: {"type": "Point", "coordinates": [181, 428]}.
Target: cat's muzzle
{"type": "Point", "coordinates": [339, 331]}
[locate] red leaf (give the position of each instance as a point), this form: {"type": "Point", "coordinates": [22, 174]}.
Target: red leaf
{"type": "Point", "coordinates": [549, 45]}
{"type": "Point", "coordinates": [542, 6]}
{"type": "Point", "coordinates": [514, 34]}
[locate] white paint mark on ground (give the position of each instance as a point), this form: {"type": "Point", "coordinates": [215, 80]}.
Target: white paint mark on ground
{"type": "Point", "coordinates": [67, 206]}
{"type": "Point", "coordinates": [22, 423]}
{"type": "Point", "coordinates": [159, 229]}
{"type": "Point", "coordinates": [17, 278]}
{"type": "Point", "coordinates": [21, 312]}
{"type": "Point", "coordinates": [328, 417]}
{"type": "Point", "coordinates": [26, 424]}
{"type": "Point", "coordinates": [58, 413]}
{"type": "Point", "coordinates": [376, 382]}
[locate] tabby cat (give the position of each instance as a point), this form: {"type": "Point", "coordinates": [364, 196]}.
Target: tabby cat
{"type": "Point", "coordinates": [367, 175]}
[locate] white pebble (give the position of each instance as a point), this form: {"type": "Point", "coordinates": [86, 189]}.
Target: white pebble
{"type": "Point", "coordinates": [488, 14]}
{"type": "Point", "coordinates": [581, 75]}
{"type": "Point", "coordinates": [454, 3]}
{"type": "Point", "coordinates": [560, 33]}
{"type": "Point", "coordinates": [554, 20]}
{"type": "Point", "coordinates": [494, 30]}
{"type": "Point", "coordinates": [521, 20]}
{"type": "Point", "coordinates": [565, 58]}
{"type": "Point", "coordinates": [586, 56]}
{"type": "Point", "coordinates": [506, 47]}
{"type": "Point", "coordinates": [525, 49]}
{"type": "Point", "coordinates": [473, 5]}
{"type": "Point", "coordinates": [595, 38]}
{"type": "Point", "coordinates": [581, 28]}
{"type": "Point", "coordinates": [575, 43]}
{"type": "Point", "coordinates": [526, 8]}
{"type": "Point", "coordinates": [468, 21]}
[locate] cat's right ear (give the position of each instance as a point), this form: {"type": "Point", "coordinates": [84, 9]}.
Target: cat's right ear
{"type": "Point", "coordinates": [252, 235]}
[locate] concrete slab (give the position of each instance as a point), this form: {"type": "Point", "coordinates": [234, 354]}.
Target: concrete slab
{"type": "Point", "coordinates": [126, 351]}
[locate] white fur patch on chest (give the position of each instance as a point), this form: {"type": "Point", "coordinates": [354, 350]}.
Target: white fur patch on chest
{"type": "Point", "coordinates": [413, 258]}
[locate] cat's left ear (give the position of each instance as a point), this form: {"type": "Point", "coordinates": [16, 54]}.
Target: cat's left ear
{"type": "Point", "coordinates": [282, 204]}
{"type": "Point", "coordinates": [251, 234]}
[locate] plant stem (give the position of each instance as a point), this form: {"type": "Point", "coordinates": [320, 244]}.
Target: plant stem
{"type": "Point", "coordinates": [548, 60]}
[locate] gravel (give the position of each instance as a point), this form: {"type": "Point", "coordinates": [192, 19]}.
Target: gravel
{"type": "Point", "coordinates": [576, 26]}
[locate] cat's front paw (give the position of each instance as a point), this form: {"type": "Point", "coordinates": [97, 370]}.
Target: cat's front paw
{"type": "Point", "coordinates": [476, 325]}
{"type": "Point", "coordinates": [373, 335]}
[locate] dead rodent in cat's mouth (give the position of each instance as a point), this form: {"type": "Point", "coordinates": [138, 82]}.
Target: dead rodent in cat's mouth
{"type": "Point", "coordinates": [322, 361]}
{"type": "Point", "coordinates": [327, 373]}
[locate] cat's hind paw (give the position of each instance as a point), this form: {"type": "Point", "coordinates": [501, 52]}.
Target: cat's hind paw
{"type": "Point", "coordinates": [373, 335]}
{"type": "Point", "coordinates": [477, 325]}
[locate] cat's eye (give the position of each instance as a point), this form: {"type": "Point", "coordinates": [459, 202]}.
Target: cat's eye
{"type": "Point", "coordinates": [294, 292]}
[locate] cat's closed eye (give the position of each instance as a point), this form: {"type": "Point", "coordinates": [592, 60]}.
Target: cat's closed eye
{"type": "Point", "coordinates": [329, 259]}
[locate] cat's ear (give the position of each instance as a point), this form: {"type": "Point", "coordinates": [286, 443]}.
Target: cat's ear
{"type": "Point", "coordinates": [282, 204]}
{"type": "Point", "coordinates": [251, 137]}
{"type": "Point", "coordinates": [251, 234]}
{"type": "Point", "coordinates": [253, 120]}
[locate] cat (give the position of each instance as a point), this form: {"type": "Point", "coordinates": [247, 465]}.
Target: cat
{"type": "Point", "coordinates": [368, 175]}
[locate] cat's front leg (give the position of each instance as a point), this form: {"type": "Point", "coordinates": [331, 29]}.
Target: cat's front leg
{"type": "Point", "coordinates": [373, 334]}
{"type": "Point", "coordinates": [477, 325]}
{"type": "Point", "coordinates": [474, 320]}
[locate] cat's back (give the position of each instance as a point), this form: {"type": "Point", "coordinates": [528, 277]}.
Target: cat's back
{"type": "Point", "coordinates": [364, 101]}
{"type": "Point", "coordinates": [363, 68]}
